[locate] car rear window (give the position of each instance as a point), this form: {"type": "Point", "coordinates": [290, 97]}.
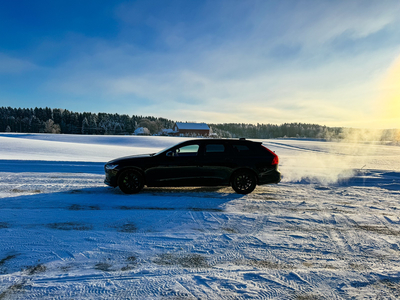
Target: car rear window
{"type": "Point", "coordinates": [242, 150]}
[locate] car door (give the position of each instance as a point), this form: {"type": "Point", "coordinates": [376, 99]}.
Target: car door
{"type": "Point", "coordinates": [216, 164]}
{"type": "Point", "coordinates": [176, 167]}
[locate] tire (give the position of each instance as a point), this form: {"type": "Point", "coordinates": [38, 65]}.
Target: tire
{"type": "Point", "coordinates": [244, 182]}
{"type": "Point", "coordinates": [130, 182]}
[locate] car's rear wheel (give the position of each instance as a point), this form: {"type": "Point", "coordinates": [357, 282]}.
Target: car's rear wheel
{"type": "Point", "coordinates": [244, 182]}
{"type": "Point", "coordinates": [130, 182]}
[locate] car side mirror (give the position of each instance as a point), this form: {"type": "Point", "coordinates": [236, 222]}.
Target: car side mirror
{"type": "Point", "coordinates": [170, 154]}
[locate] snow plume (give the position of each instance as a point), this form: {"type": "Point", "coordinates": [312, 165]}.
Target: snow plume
{"type": "Point", "coordinates": [321, 168]}
{"type": "Point", "coordinates": [355, 136]}
{"type": "Point", "coordinates": [334, 162]}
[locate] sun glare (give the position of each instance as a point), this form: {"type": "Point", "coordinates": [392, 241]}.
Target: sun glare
{"type": "Point", "coordinates": [389, 102]}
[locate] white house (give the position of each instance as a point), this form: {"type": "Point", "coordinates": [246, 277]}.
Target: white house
{"type": "Point", "coordinates": [142, 131]}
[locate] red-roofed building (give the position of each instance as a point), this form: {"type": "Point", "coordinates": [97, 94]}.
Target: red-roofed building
{"type": "Point", "coordinates": [191, 129]}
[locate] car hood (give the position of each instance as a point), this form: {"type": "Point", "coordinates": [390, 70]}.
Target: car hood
{"type": "Point", "coordinates": [131, 157]}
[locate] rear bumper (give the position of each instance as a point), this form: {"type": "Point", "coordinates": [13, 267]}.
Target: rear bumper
{"type": "Point", "coordinates": [271, 176]}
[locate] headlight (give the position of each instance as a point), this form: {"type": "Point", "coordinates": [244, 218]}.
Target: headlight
{"type": "Point", "coordinates": [110, 167]}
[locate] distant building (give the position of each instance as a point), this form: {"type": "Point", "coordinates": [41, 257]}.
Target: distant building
{"type": "Point", "coordinates": [191, 129]}
{"type": "Point", "coordinates": [142, 131]}
{"type": "Point", "coordinates": [166, 132]}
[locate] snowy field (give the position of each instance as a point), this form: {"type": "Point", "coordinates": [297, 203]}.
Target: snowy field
{"type": "Point", "coordinates": [329, 230]}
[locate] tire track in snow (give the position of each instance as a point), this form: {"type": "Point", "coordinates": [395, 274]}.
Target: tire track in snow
{"type": "Point", "coordinates": [302, 237]}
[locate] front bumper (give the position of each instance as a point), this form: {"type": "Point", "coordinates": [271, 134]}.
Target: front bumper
{"type": "Point", "coordinates": [111, 177]}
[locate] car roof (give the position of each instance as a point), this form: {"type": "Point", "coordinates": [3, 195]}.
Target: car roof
{"type": "Point", "coordinates": [214, 140]}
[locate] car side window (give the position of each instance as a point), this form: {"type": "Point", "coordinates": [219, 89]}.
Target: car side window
{"type": "Point", "coordinates": [214, 149]}
{"type": "Point", "coordinates": [241, 150]}
{"type": "Point", "coordinates": [189, 150]}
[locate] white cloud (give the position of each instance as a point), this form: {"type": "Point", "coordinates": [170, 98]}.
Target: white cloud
{"type": "Point", "coordinates": [10, 65]}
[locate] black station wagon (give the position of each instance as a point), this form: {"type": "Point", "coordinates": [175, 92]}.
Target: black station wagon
{"type": "Point", "coordinates": [241, 164]}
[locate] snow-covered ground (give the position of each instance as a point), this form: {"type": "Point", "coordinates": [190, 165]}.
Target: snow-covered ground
{"type": "Point", "coordinates": [329, 230]}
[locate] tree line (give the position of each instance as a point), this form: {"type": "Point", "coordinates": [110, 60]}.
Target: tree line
{"type": "Point", "coordinates": [262, 131]}
{"type": "Point", "coordinates": [56, 120]}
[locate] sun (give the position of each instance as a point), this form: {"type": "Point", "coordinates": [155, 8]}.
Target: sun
{"type": "Point", "coordinates": [389, 101]}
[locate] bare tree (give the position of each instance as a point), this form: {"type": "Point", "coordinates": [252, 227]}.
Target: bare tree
{"type": "Point", "coordinates": [50, 127]}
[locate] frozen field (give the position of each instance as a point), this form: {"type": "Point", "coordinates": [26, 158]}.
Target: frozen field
{"type": "Point", "coordinates": [329, 230]}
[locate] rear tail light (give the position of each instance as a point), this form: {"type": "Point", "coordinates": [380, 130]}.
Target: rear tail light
{"type": "Point", "coordinates": [275, 160]}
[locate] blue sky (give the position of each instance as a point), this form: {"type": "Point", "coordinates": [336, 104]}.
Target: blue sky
{"type": "Point", "coordinates": [313, 61]}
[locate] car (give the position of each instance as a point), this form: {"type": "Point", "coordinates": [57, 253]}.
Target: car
{"type": "Point", "coordinates": [239, 163]}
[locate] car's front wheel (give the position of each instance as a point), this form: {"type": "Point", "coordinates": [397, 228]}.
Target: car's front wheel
{"type": "Point", "coordinates": [244, 182]}
{"type": "Point", "coordinates": [130, 182]}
